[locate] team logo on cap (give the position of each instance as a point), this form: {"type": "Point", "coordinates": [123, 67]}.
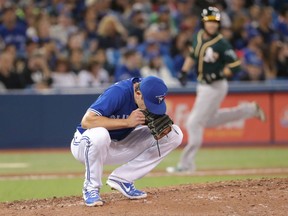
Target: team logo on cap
{"type": "Point", "coordinates": [160, 98]}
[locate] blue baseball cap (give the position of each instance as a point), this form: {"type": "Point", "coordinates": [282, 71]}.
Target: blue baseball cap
{"type": "Point", "coordinates": [154, 92]}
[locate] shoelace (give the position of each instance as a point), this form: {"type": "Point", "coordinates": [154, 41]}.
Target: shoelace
{"type": "Point", "coordinates": [133, 189]}
{"type": "Point", "coordinates": [93, 193]}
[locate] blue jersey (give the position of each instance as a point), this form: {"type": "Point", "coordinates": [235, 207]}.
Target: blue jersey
{"type": "Point", "coordinates": [15, 36]}
{"type": "Point", "coordinates": [116, 102]}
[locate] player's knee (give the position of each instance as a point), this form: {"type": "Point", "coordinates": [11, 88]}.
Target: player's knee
{"type": "Point", "coordinates": [190, 124]}
{"type": "Point", "coordinates": [99, 137]}
{"type": "Point", "coordinates": [178, 137]}
{"type": "Point", "coordinates": [194, 122]}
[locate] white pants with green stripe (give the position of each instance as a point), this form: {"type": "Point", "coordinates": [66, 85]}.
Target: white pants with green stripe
{"type": "Point", "coordinates": [206, 113]}
{"type": "Point", "coordinates": [137, 153]}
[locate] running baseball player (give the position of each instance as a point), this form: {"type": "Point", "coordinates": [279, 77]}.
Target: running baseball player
{"type": "Point", "coordinates": [126, 125]}
{"type": "Point", "coordinates": [213, 58]}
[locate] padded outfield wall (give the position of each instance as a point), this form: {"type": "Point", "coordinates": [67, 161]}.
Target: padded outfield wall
{"type": "Point", "coordinates": [48, 119]}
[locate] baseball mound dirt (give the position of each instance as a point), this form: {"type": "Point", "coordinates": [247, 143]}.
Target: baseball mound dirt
{"type": "Point", "coordinates": [246, 197]}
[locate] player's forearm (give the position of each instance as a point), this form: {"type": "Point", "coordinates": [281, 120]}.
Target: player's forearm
{"type": "Point", "coordinates": [187, 64]}
{"type": "Point", "coordinates": [92, 121]}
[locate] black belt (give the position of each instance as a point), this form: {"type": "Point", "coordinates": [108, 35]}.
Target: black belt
{"type": "Point", "coordinates": [210, 78]}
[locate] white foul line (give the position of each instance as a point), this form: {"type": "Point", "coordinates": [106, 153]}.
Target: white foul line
{"type": "Point", "coordinates": [260, 171]}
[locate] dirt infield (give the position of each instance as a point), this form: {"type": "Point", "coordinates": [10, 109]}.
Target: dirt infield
{"type": "Point", "coordinates": [247, 197]}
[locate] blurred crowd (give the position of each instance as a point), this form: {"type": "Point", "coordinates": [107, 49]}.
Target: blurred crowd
{"type": "Point", "coordinates": [89, 43]}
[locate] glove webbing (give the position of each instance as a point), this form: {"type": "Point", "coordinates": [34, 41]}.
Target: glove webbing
{"type": "Point", "coordinates": [158, 127]}
{"type": "Point", "coordinates": [157, 124]}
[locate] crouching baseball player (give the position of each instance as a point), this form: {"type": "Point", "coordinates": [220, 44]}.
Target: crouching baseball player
{"type": "Point", "coordinates": [126, 125]}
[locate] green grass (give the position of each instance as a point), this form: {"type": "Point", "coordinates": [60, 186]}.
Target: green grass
{"type": "Point", "coordinates": [235, 158]}
{"type": "Point", "coordinates": [63, 162]}
{"type": "Point", "coordinates": [40, 162]}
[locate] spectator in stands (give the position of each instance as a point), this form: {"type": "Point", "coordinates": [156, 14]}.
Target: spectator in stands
{"type": "Point", "coordinates": [251, 55]}
{"type": "Point", "coordinates": [151, 46]}
{"type": "Point", "coordinates": [179, 43]}
{"type": "Point", "coordinates": [112, 33]}
{"type": "Point", "coordinates": [89, 31]}
{"type": "Point", "coordinates": [156, 67]}
{"type": "Point", "coordinates": [225, 19]}
{"type": "Point", "coordinates": [30, 14]}
{"type": "Point", "coordinates": [100, 56]}
{"type": "Point", "coordinates": [239, 30]}
{"type": "Point", "coordinates": [182, 10]}
{"type": "Point", "coordinates": [254, 14]}
{"type": "Point", "coordinates": [36, 71]}
{"type": "Point", "coordinates": [90, 23]}
{"type": "Point", "coordinates": [31, 45]}
{"type": "Point", "coordinates": [225, 22]}
{"type": "Point", "coordinates": [62, 29]}
{"type": "Point", "coordinates": [107, 27]}
{"type": "Point", "coordinates": [183, 46]}
{"type": "Point", "coordinates": [163, 27]}
{"type": "Point", "coordinates": [18, 63]}
{"type": "Point", "coordinates": [264, 25]}
{"type": "Point", "coordinates": [120, 6]}
{"type": "Point", "coordinates": [138, 22]}
{"type": "Point", "coordinates": [270, 40]}
{"type": "Point", "coordinates": [282, 23]}
{"type": "Point", "coordinates": [63, 77]}
{"type": "Point", "coordinates": [236, 8]}
{"type": "Point", "coordinates": [11, 49]}
{"type": "Point", "coordinates": [76, 60]}
{"type": "Point", "coordinates": [282, 61]}
{"type": "Point", "coordinates": [9, 79]}
{"type": "Point", "coordinates": [11, 30]}
{"type": "Point", "coordinates": [42, 28]}
{"type": "Point", "coordinates": [50, 50]}
{"type": "Point", "coordinates": [129, 67]}
{"type": "Point", "coordinates": [94, 76]}
{"type": "Point", "coordinates": [76, 41]}
{"type": "Point", "coordinates": [189, 25]}
{"type": "Point", "coordinates": [253, 68]}
{"type": "Point", "coordinates": [102, 8]}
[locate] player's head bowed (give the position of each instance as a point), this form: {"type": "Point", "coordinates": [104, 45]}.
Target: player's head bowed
{"type": "Point", "coordinates": [154, 92]}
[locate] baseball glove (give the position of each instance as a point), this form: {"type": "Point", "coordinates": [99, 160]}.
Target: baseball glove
{"type": "Point", "coordinates": [159, 125]}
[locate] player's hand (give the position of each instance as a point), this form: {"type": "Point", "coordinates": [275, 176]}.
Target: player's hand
{"type": "Point", "coordinates": [136, 118]}
{"type": "Point", "coordinates": [183, 78]}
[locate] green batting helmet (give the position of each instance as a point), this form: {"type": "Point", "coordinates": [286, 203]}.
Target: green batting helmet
{"type": "Point", "coordinates": [211, 14]}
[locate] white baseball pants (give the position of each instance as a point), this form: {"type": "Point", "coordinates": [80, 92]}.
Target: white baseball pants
{"type": "Point", "coordinates": [206, 113]}
{"type": "Point", "coordinates": [137, 152]}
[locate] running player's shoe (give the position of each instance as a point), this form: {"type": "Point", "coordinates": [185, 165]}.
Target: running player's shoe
{"type": "Point", "coordinates": [127, 189]}
{"type": "Point", "coordinates": [260, 114]}
{"type": "Point", "coordinates": [92, 198]}
{"type": "Point", "coordinates": [178, 170]}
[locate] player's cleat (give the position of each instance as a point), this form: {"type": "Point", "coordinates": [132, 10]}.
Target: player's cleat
{"type": "Point", "coordinates": [260, 114]}
{"type": "Point", "coordinates": [127, 189]}
{"type": "Point", "coordinates": [173, 170]}
{"type": "Point", "coordinates": [178, 170]}
{"type": "Point", "coordinates": [92, 198]}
